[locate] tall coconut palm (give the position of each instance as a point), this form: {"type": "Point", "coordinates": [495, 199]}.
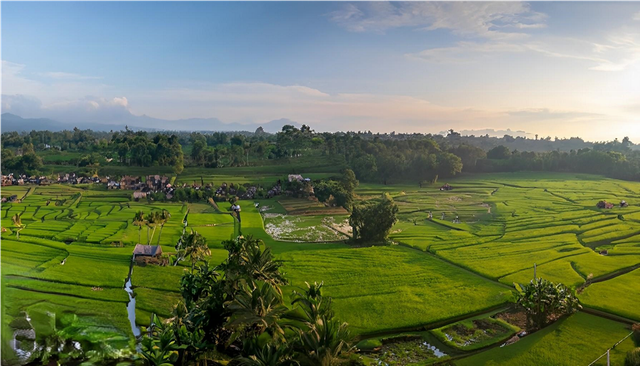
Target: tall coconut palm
{"type": "Point", "coordinates": [152, 222]}
{"type": "Point", "coordinates": [247, 259]}
{"type": "Point", "coordinates": [163, 217]}
{"type": "Point", "coordinates": [138, 220]}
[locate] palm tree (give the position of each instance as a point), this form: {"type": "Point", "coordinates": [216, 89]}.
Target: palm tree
{"type": "Point", "coordinates": [541, 299]}
{"type": "Point", "coordinates": [323, 345]}
{"type": "Point", "coordinates": [314, 306]}
{"type": "Point", "coordinates": [152, 221]}
{"type": "Point", "coordinates": [270, 354]}
{"type": "Point", "coordinates": [163, 217]}
{"type": "Point", "coordinates": [247, 259]}
{"type": "Point", "coordinates": [256, 308]}
{"type": "Point", "coordinates": [17, 221]}
{"type": "Point", "coordinates": [138, 220]}
{"type": "Point", "coordinates": [196, 248]}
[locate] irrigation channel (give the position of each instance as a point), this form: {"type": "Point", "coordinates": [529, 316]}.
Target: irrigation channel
{"type": "Point", "coordinates": [131, 305]}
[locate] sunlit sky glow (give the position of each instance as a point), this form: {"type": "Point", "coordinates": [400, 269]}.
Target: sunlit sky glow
{"type": "Point", "coordinates": [553, 68]}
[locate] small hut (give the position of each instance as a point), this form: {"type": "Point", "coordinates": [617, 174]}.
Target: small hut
{"type": "Point", "coordinates": [145, 253]}
{"type": "Point", "coordinates": [446, 187]}
{"type": "Point", "coordinates": [605, 204]}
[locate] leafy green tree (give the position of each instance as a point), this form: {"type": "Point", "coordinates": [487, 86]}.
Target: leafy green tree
{"type": "Point", "coordinates": [499, 152]}
{"type": "Point", "coordinates": [349, 181]}
{"type": "Point", "coordinates": [365, 167]}
{"type": "Point", "coordinates": [542, 299]}
{"type": "Point", "coordinates": [372, 220]}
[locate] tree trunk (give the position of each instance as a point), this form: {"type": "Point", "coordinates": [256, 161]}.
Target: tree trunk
{"type": "Point", "coordinates": [160, 233]}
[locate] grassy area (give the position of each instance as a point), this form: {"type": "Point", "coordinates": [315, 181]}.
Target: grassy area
{"type": "Point", "coordinates": [385, 288]}
{"type": "Point", "coordinates": [617, 295]}
{"type": "Point", "coordinates": [577, 340]}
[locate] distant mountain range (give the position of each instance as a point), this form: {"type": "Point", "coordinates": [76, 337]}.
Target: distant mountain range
{"type": "Point", "coordinates": [11, 122]}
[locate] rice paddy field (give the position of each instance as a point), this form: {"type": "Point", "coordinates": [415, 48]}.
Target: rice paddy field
{"type": "Point", "coordinates": [441, 278]}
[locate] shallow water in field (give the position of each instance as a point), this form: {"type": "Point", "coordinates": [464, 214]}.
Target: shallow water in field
{"type": "Point", "coordinates": [131, 305]}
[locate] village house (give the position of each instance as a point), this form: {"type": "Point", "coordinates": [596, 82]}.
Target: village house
{"type": "Point", "coordinates": [156, 182]}
{"type": "Point", "coordinates": [605, 204]}
{"type": "Point", "coordinates": [129, 182]}
{"type": "Point", "coordinates": [296, 177]}
{"type": "Point", "coordinates": [137, 195]}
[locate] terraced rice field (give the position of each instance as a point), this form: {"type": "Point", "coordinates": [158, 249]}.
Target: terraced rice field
{"type": "Point", "coordinates": [439, 272]}
{"type": "Point", "coordinates": [73, 255]}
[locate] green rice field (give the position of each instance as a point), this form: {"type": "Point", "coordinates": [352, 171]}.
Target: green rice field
{"type": "Point", "coordinates": [72, 258]}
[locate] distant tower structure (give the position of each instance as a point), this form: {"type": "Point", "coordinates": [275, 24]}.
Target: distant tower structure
{"type": "Point", "coordinates": [536, 137]}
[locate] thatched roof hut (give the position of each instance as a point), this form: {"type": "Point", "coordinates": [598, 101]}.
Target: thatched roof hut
{"type": "Point", "coordinates": [147, 250]}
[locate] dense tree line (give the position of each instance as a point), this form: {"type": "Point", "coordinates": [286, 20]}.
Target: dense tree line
{"type": "Point", "coordinates": [29, 162]}
{"type": "Point", "coordinates": [373, 157]}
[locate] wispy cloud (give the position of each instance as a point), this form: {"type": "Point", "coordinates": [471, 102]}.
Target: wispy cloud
{"type": "Point", "coordinates": [59, 75]}
{"type": "Point", "coordinates": [617, 52]}
{"type": "Point", "coordinates": [493, 20]}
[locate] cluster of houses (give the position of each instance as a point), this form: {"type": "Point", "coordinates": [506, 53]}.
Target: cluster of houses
{"type": "Point", "coordinates": [74, 179]}
{"type": "Point", "coordinates": [233, 189]}
{"type": "Point", "coordinates": [18, 180]}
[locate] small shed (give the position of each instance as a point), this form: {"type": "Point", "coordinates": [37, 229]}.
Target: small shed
{"type": "Point", "coordinates": [604, 204]}
{"type": "Point", "coordinates": [139, 194]}
{"type": "Point", "coordinates": [147, 251]}
{"type": "Point", "coordinates": [446, 187]}
{"type": "Point", "coordinates": [296, 177]}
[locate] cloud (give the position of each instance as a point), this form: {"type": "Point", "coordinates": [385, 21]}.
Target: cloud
{"type": "Point", "coordinates": [491, 20]}
{"type": "Point", "coordinates": [67, 76]}
{"type": "Point", "coordinates": [636, 16]}
{"type": "Point", "coordinates": [618, 51]}
{"type": "Point", "coordinates": [49, 87]}
{"type": "Point", "coordinates": [463, 52]}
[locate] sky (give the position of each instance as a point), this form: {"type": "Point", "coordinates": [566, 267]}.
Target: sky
{"type": "Point", "coordinates": [550, 68]}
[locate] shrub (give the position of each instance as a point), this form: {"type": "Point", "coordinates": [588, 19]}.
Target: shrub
{"type": "Point", "coordinates": [636, 334]}
{"type": "Point", "coordinates": [633, 358]}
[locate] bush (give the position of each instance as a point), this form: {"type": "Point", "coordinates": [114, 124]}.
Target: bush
{"type": "Point", "coordinates": [636, 334]}
{"type": "Point", "coordinates": [633, 358]}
